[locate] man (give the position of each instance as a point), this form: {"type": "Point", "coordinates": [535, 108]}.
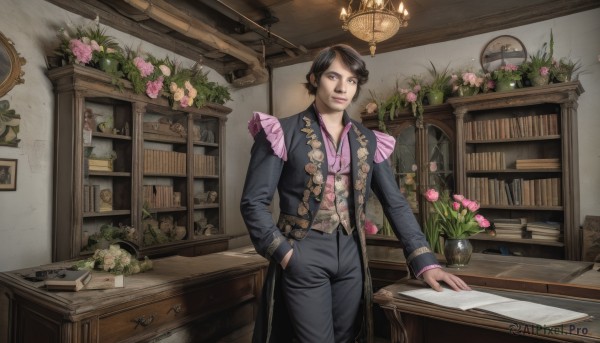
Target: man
{"type": "Point", "coordinates": [323, 163]}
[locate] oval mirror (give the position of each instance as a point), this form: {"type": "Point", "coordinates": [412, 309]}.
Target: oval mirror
{"type": "Point", "coordinates": [502, 50]}
{"type": "Point", "coordinates": [10, 66]}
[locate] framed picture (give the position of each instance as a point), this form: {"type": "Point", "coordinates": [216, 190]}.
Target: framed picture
{"type": "Point", "coordinates": [8, 174]}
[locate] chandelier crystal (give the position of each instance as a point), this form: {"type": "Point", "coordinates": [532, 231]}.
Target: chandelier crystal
{"type": "Point", "coordinates": [374, 21]}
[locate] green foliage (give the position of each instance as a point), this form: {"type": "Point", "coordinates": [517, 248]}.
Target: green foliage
{"type": "Point", "coordinates": [440, 80]}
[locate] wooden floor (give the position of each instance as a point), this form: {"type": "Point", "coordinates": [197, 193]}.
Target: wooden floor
{"type": "Point", "coordinates": [244, 335]}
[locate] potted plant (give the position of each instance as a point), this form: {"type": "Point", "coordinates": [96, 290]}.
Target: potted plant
{"type": "Point", "coordinates": [565, 70]}
{"type": "Point", "coordinates": [469, 83]}
{"type": "Point", "coordinates": [539, 65]}
{"type": "Point", "coordinates": [439, 85]}
{"type": "Point", "coordinates": [506, 77]}
{"type": "Point", "coordinates": [457, 219]}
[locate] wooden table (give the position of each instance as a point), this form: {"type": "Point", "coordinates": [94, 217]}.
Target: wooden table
{"type": "Point", "coordinates": [208, 296]}
{"type": "Point", "coordinates": [568, 284]}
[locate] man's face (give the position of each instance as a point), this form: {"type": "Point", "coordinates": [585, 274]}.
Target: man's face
{"type": "Point", "coordinates": [336, 88]}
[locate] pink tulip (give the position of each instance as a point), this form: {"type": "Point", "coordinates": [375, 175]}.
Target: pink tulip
{"type": "Point", "coordinates": [370, 228]}
{"type": "Point", "coordinates": [455, 206]}
{"type": "Point", "coordinates": [432, 195]}
{"type": "Point", "coordinates": [473, 206]}
{"type": "Point", "coordinates": [458, 197]}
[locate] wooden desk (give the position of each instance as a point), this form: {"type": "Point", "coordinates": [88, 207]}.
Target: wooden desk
{"type": "Point", "coordinates": [576, 285]}
{"type": "Point", "coordinates": [413, 321]}
{"type": "Point", "coordinates": [206, 295]}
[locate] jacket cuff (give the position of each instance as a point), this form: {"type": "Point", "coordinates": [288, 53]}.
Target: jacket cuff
{"type": "Point", "coordinates": [278, 248]}
{"type": "Point", "coordinates": [419, 259]}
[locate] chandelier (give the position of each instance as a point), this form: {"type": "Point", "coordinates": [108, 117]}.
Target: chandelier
{"type": "Point", "coordinates": [374, 21]}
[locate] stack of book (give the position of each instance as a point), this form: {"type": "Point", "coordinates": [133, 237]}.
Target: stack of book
{"type": "Point", "coordinates": [548, 231]}
{"type": "Point", "coordinates": [538, 163]}
{"type": "Point", "coordinates": [75, 280]}
{"type": "Point", "coordinates": [509, 228]}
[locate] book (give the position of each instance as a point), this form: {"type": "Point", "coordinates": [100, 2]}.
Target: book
{"type": "Point", "coordinates": [103, 280]}
{"type": "Point", "coordinates": [69, 280]}
{"type": "Point", "coordinates": [523, 311]}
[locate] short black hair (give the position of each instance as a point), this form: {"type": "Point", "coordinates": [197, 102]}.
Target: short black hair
{"type": "Point", "coordinates": [350, 57]}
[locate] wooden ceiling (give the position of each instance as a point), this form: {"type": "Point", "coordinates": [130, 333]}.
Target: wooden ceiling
{"type": "Point", "coordinates": [240, 39]}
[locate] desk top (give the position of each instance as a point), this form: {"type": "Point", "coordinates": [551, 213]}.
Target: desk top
{"type": "Point", "coordinates": [168, 275]}
{"type": "Point", "coordinates": [586, 331]}
{"type": "Point", "coordinates": [561, 277]}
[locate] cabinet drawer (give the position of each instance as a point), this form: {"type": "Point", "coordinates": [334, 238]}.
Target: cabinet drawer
{"type": "Point", "coordinates": [162, 314]}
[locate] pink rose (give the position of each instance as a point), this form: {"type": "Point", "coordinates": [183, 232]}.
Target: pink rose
{"type": "Point", "coordinates": [484, 223]}
{"type": "Point", "coordinates": [544, 71]}
{"type": "Point", "coordinates": [145, 68]}
{"type": "Point", "coordinates": [153, 88]}
{"type": "Point", "coordinates": [411, 97]}
{"type": "Point", "coordinates": [432, 195]}
{"type": "Point", "coordinates": [81, 51]}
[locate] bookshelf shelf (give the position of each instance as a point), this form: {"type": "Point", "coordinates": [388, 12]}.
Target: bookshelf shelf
{"type": "Point", "coordinates": [517, 155]}
{"type": "Point", "coordinates": [513, 140]}
{"type": "Point", "coordinates": [155, 145]}
{"type": "Point", "coordinates": [485, 237]}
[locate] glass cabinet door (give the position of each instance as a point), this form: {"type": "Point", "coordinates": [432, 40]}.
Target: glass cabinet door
{"type": "Point", "coordinates": [405, 166]}
{"type": "Point", "coordinates": [440, 160]}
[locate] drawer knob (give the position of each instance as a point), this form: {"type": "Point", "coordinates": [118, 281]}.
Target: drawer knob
{"type": "Point", "coordinates": [177, 308]}
{"type": "Point", "coordinates": [143, 321]}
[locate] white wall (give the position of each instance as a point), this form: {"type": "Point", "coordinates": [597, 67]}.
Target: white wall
{"type": "Point", "coordinates": [575, 36]}
{"type": "Point", "coordinates": [25, 215]}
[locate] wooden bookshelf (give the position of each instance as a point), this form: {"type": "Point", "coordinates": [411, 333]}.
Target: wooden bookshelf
{"type": "Point", "coordinates": [155, 168]}
{"type": "Point", "coordinates": [517, 155]}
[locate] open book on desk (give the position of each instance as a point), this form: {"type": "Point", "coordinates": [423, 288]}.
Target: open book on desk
{"type": "Point", "coordinates": [518, 310]}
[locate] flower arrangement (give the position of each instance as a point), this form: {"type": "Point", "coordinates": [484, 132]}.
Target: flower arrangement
{"type": "Point", "coordinates": [507, 72]}
{"type": "Point", "coordinates": [469, 83]}
{"type": "Point", "coordinates": [411, 97]}
{"type": "Point", "coordinates": [457, 217]}
{"type": "Point", "coordinates": [114, 260]}
{"type": "Point", "coordinates": [90, 46]}
{"type": "Point", "coordinates": [565, 69]}
{"type": "Point", "coordinates": [540, 64]}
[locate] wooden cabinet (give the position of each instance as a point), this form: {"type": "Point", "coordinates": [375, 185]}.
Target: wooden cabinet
{"type": "Point", "coordinates": [197, 299]}
{"type": "Point", "coordinates": [424, 155]}
{"type": "Point", "coordinates": [499, 136]}
{"type": "Point", "coordinates": [161, 166]}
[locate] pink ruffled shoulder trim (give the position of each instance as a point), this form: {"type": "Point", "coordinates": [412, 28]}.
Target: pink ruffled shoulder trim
{"type": "Point", "coordinates": [272, 128]}
{"type": "Point", "coordinates": [385, 146]}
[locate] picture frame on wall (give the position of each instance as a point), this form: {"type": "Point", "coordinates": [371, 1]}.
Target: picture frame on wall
{"type": "Point", "coordinates": [8, 174]}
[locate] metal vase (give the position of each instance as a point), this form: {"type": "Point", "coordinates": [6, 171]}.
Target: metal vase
{"type": "Point", "coordinates": [457, 252]}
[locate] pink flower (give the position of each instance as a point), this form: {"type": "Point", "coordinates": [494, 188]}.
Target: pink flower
{"type": "Point", "coordinates": [416, 88]}
{"type": "Point", "coordinates": [371, 107]}
{"type": "Point", "coordinates": [456, 206]}
{"type": "Point", "coordinates": [509, 67]}
{"type": "Point", "coordinates": [411, 97]}
{"type": "Point", "coordinates": [153, 88]}
{"type": "Point", "coordinates": [491, 84]}
{"type": "Point", "coordinates": [81, 51]}
{"type": "Point", "coordinates": [145, 68]}
{"type": "Point", "coordinates": [484, 223]}
{"type": "Point", "coordinates": [370, 228]}
{"type": "Point", "coordinates": [458, 197]}
{"type": "Point", "coordinates": [544, 71]}
{"type": "Point", "coordinates": [473, 206]}
{"type": "Point", "coordinates": [432, 195]}
{"type": "Point", "coordinates": [184, 101]}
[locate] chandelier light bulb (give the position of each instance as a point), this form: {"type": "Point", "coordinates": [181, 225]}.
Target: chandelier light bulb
{"type": "Point", "coordinates": [374, 20]}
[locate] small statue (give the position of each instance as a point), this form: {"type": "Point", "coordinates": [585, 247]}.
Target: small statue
{"type": "Point", "coordinates": [89, 120]}
{"type": "Point", "coordinates": [211, 197]}
{"type": "Point", "coordinates": [106, 200]}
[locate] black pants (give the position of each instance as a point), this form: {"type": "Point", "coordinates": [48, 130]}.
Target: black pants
{"type": "Point", "coordinates": [322, 286]}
